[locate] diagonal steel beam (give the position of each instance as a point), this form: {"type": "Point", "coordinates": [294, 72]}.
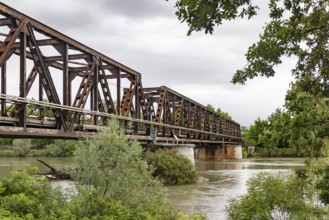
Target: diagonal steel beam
{"type": "Point", "coordinates": [178, 113]}
{"type": "Point", "coordinates": [44, 29]}
{"type": "Point", "coordinates": [142, 100]}
{"type": "Point", "coordinates": [126, 103]}
{"type": "Point", "coordinates": [6, 47]}
{"type": "Point", "coordinates": [161, 104]}
{"type": "Point", "coordinates": [30, 79]}
{"type": "Point", "coordinates": [101, 108]}
{"type": "Point", "coordinates": [106, 90]}
{"type": "Point", "coordinates": [46, 79]}
{"type": "Point", "coordinates": [83, 92]}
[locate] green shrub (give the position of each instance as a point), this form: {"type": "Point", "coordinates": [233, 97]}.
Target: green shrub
{"type": "Point", "coordinates": [21, 147]}
{"type": "Point", "coordinates": [284, 152]}
{"type": "Point", "coordinates": [244, 153]}
{"type": "Point", "coordinates": [62, 148]}
{"type": "Point", "coordinates": [6, 141]}
{"type": "Point", "coordinates": [302, 194]}
{"type": "Point", "coordinates": [171, 168]}
{"type": "Point", "coordinates": [5, 153]}
{"type": "Point", "coordinates": [113, 167]}
{"type": "Point", "coordinates": [40, 153]}
{"type": "Point", "coordinates": [278, 152]}
{"type": "Point", "coordinates": [25, 197]}
{"type": "Point", "coordinates": [41, 143]}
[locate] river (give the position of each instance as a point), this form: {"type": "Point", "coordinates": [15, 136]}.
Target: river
{"type": "Point", "coordinates": [227, 179]}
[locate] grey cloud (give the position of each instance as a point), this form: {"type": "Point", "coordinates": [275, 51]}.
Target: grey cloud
{"type": "Point", "coordinates": [139, 9]}
{"type": "Point", "coordinates": [59, 14]}
{"type": "Point", "coordinates": [173, 70]}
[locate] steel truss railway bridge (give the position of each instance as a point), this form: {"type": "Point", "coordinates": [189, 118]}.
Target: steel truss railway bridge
{"type": "Point", "coordinates": [77, 90]}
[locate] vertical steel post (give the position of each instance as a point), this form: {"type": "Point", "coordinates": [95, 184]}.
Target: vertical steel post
{"type": "Point", "coordinates": [188, 118]}
{"type": "Point", "coordinates": [164, 114]}
{"type": "Point", "coordinates": [92, 98]}
{"type": "Point", "coordinates": [95, 92]}
{"type": "Point", "coordinates": [118, 72]}
{"type": "Point", "coordinates": [69, 90]}
{"type": "Point", "coordinates": [174, 109]}
{"type": "Point", "coordinates": [22, 79]}
{"type": "Point", "coordinates": [66, 79]}
{"type": "Point", "coordinates": [137, 104]}
{"type": "Point", "coordinates": [137, 99]}
{"type": "Point", "coordinates": [3, 88]}
{"type": "Point", "coordinates": [42, 110]}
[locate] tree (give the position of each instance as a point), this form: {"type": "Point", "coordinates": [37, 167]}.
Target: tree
{"type": "Point", "coordinates": [301, 194]}
{"type": "Point", "coordinates": [6, 141]}
{"type": "Point", "coordinates": [205, 14]}
{"type": "Point", "coordinates": [310, 122]}
{"type": "Point", "coordinates": [297, 28]}
{"type": "Point", "coordinates": [41, 143]}
{"type": "Point", "coordinates": [113, 166]}
{"type": "Point", "coordinates": [21, 147]}
{"type": "Point", "coordinates": [62, 148]}
{"type": "Point", "coordinates": [223, 114]}
{"type": "Point", "coordinates": [251, 135]}
{"type": "Point", "coordinates": [210, 107]}
{"type": "Point", "coordinates": [219, 111]}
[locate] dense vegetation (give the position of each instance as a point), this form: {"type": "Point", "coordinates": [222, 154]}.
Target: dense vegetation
{"type": "Point", "coordinates": [112, 182]}
{"type": "Point", "coordinates": [25, 197]}
{"type": "Point", "coordinates": [171, 168]}
{"type": "Point", "coordinates": [302, 194]}
{"type": "Point", "coordinates": [114, 167]}
{"type": "Point", "coordinates": [301, 129]}
{"type": "Point", "coordinates": [37, 147]}
{"type": "Point", "coordinates": [219, 111]}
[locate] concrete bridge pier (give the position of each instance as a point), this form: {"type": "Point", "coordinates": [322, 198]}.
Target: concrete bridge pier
{"type": "Point", "coordinates": [211, 152]}
{"type": "Point", "coordinates": [185, 150]}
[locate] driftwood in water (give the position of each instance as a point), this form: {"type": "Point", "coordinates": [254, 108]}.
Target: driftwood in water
{"type": "Point", "coordinates": [55, 174]}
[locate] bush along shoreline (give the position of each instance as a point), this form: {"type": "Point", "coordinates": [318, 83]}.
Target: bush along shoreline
{"type": "Point", "coordinates": [112, 180]}
{"type": "Point", "coordinates": [170, 168]}
{"type": "Point", "coordinates": [37, 147]}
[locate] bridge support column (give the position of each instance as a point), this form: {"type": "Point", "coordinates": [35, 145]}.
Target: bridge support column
{"type": "Point", "coordinates": [212, 152]}
{"type": "Point", "coordinates": [234, 152]}
{"type": "Point", "coordinates": [185, 150]}
{"type": "Point", "coordinates": [205, 153]}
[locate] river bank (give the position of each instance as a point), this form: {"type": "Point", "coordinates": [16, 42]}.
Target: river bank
{"type": "Point", "coordinates": [227, 179]}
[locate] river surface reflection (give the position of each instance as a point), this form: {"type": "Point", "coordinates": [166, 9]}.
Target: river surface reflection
{"type": "Point", "coordinates": [8, 164]}
{"type": "Point", "coordinates": [227, 179]}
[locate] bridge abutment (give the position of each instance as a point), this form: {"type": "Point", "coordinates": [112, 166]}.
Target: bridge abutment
{"type": "Point", "coordinates": [211, 152]}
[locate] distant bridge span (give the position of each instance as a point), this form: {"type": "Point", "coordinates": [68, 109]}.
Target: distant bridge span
{"type": "Point", "coordinates": [77, 91]}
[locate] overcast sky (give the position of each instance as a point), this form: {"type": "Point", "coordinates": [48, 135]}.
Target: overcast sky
{"type": "Point", "coordinates": [146, 36]}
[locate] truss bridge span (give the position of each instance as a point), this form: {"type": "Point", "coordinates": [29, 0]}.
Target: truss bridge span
{"type": "Point", "coordinates": [52, 86]}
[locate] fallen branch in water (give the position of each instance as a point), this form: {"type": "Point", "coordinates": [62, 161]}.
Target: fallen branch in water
{"type": "Point", "coordinates": [55, 174]}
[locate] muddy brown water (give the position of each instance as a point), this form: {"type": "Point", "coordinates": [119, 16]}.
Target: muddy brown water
{"type": "Point", "coordinates": [227, 179]}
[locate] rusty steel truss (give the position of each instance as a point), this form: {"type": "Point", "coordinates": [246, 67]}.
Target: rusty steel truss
{"type": "Point", "coordinates": [79, 89]}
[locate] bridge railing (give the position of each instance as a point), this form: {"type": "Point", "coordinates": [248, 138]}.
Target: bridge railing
{"type": "Point", "coordinates": [141, 129]}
